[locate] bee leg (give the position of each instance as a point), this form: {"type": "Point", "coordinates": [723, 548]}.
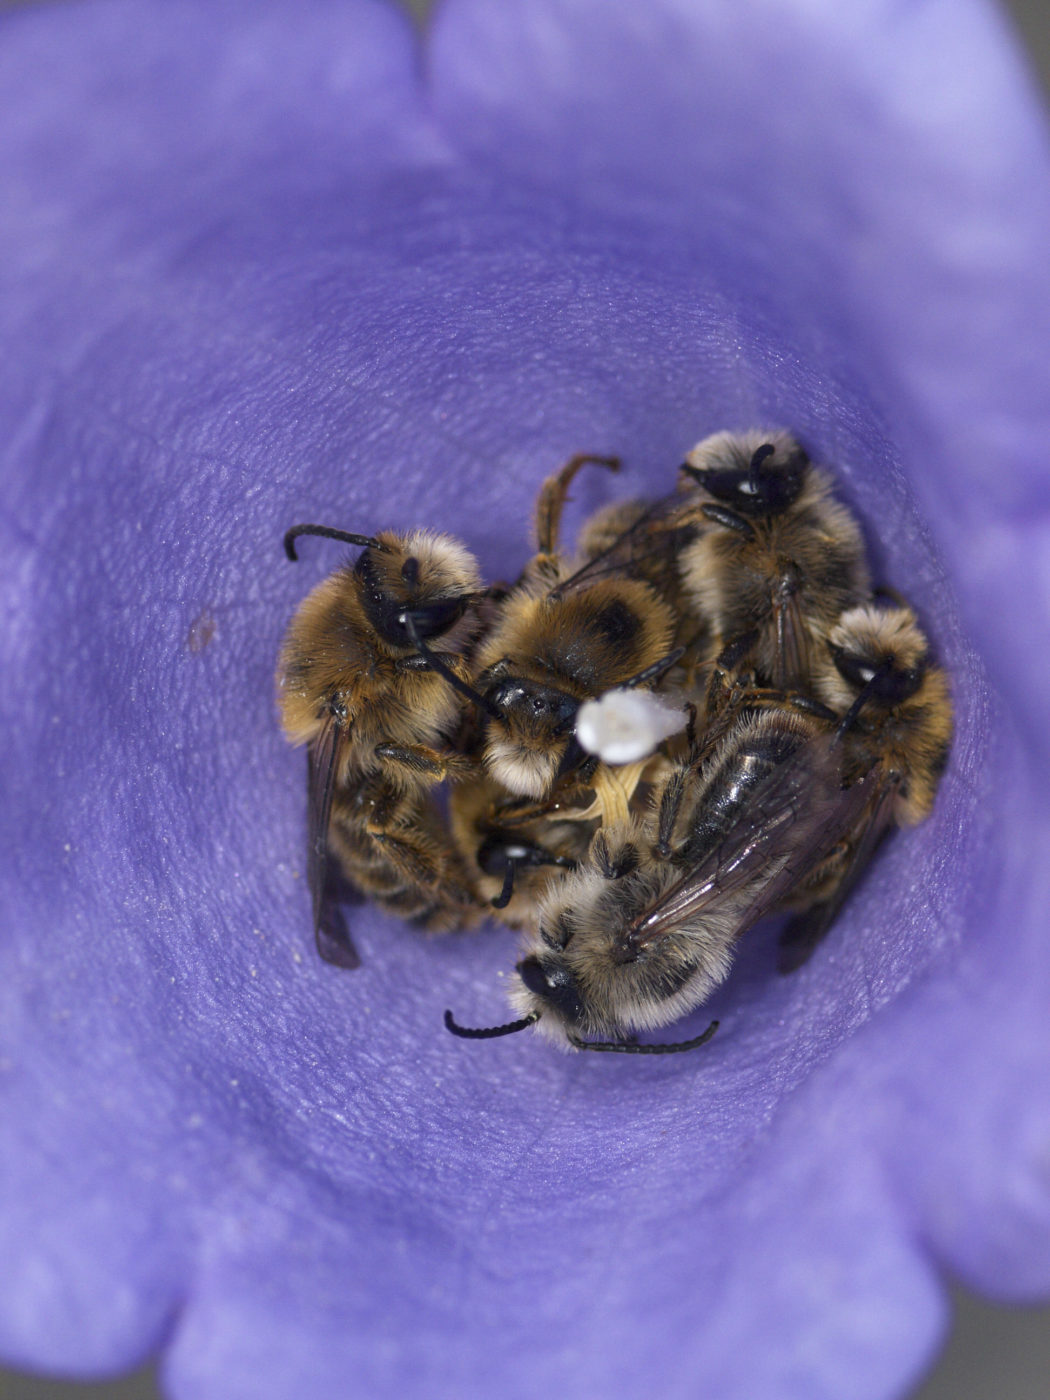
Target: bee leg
{"type": "Point", "coordinates": [614, 864]}
{"type": "Point", "coordinates": [435, 764]}
{"type": "Point", "coordinates": [725, 679]}
{"type": "Point", "coordinates": [654, 672]}
{"type": "Point", "coordinates": [670, 804]}
{"type": "Point", "coordinates": [521, 810]}
{"type": "Point", "coordinates": [808, 706]}
{"type": "Point", "coordinates": [427, 908]}
{"type": "Point", "coordinates": [690, 729]}
{"type": "Point", "coordinates": [551, 499]}
{"type": "Point", "coordinates": [421, 864]}
{"type": "Point", "coordinates": [722, 515]}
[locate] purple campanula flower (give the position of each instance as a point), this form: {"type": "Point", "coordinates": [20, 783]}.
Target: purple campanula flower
{"type": "Point", "coordinates": [263, 263]}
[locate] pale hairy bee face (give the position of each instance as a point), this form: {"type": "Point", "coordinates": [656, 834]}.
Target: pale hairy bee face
{"type": "Point", "coordinates": [522, 771]}
{"type": "Point", "coordinates": [529, 732]}
{"type": "Point", "coordinates": [342, 644]}
{"type": "Point", "coordinates": [864, 640]}
{"type": "Point", "coordinates": [428, 575]}
{"type": "Point", "coordinates": [754, 472]}
{"type": "Point", "coordinates": [577, 975]}
{"type": "Point", "coordinates": [906, 722]}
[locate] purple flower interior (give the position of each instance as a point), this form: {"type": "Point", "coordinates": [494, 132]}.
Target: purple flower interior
{"type": "Point", "coordinates": [257, 272]}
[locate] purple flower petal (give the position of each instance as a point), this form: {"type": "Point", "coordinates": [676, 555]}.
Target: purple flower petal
{"type": "Point", "coordinates": [251, 275]}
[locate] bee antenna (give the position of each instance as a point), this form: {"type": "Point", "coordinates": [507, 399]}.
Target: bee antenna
{"type": "Point", "coordinates": [850, 717]}
{"type": "Point", "coordinates": [654, 672]}
{"type": "Point", "coordinates": [628, 1047]}
{"type": "Point", "coordinates": [443, 669]}
{"type": "Point", "coordinates": [757, 458]}
{"type": "Point", "coordinates": [489, 1032]}
{"type": "Point", "coordinates": [503, 898]}
{"type": "Point", "coordinates": [328, 533]}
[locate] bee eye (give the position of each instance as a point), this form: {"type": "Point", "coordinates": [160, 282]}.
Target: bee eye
{"type": "Point", "coordinates": [759, 489]}
{"type": "Point", "coordinates": [432, 619]}
{"type": "Point", "coordinates": [410, 571]}
{"type": "Point", "coordinates": [553, 984]}
{"type": "Point", "coordinates": [887, 683]}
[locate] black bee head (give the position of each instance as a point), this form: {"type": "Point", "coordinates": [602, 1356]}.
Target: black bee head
{"type": "Point", "coordinates": [763, 485]}
{"type": "Point", "coordinates": [534, 706]}
{"type": "Point", "coordinates": [554, 984]}
{"type": "Point", "coordinates": [389, 597]}
{"type": "Point", "coordinates": [886, 682]}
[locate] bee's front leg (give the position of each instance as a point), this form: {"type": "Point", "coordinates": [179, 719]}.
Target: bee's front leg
{"type": "Point", "coordinates": [551, 499]}
{"type": "Point", "coordinates": [430, 765]}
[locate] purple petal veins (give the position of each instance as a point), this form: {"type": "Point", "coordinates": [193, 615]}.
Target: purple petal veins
{"type": "Point", "coordinates": [264, 263]}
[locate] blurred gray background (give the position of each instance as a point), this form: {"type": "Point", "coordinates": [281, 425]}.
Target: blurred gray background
{"type": "Point", "coordinates": [993, 1353]}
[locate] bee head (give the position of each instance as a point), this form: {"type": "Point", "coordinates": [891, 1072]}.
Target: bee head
{"type": "Point", "coordinates": [426, 579]}
{"type": "Point", "coordinates": [552, 989]}
{"type": "Point", "coordinates": [530, 741]}
{"type": "Point", "coordinates": [756, 474]}
{"type": "Point", "coordinates": [880, 651]}
{"type": "Point", "coordinates": [529, 706]}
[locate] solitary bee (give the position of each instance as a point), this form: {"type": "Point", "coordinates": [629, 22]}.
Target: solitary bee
{"type": "Point", "coordinates": [561, 638]}
{"type": "Point", "coordinates": [643, 931]}
{"type": "Point", "coordinates": [779, 558]}
{"type": "Point", "coordinates": [513, 847]}
{"type": "Point", "coordinates": [370, 679]}
{"type": "Point", "coordinates": [897, 725]}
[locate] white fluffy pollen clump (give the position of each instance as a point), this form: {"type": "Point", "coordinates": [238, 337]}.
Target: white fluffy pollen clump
{"type": "Point", "coordinates": [623, 726]}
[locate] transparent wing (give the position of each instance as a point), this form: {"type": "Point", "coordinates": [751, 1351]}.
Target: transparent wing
{"type": "Point", "coordinates": [648, 546]}
{"type": "Point", "coordinates": [792, 823]}
{"type": "Point", "coordinates": [806, 930]}
{"type": "Point", "coordinates": [792, 669]}
{"type": "Point", "coordinates": [331, 934]}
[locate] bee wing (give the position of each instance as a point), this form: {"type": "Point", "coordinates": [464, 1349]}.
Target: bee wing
{"type": "Point", "coordinates": [657, 535]}
{"type": "Point", "coordinates": [791, 671]}
{"type": "Point", "coordinates": [331, 934]}
{"type": "Point", "coordinates": [805, 930]}
{"type": "Point", "coordinates": [822, 835]}
{"type": "Point", "coordinates": [792, 823]}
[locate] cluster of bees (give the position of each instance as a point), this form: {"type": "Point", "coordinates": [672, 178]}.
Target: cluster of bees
{"type": "Point", "coordinates": [757, 719]}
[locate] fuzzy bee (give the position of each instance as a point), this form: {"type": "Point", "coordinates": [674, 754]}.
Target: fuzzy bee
{"type": "Point", "coordinates": [367, 679]}
{"type": "Point", "coordinates": [897, 725]}
{"type": "Point", "coordinates": [562, 637]}
{"type": "Point", "coordinates": [644, 930]}
{"type": "Point", "coordinates": [781, 806]}
{"type": "Point", "coordinates": [780, 559]}
{"type": "Point", "coordinates": [559, 638]}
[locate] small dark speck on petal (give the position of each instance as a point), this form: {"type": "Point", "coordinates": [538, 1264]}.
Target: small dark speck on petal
{"type": "Point", "coordinates": [201, 633]}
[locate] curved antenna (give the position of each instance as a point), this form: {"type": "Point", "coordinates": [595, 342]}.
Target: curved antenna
{"type": "Point", "coordinates": [489, 1032]}
{"type": "Point", "coordinates": [503, 898]}
{"type": "Point", "coordinates": [623, 1047]}
{"type": "Point", "coordinates": [849, 719]}
{"type": "Point", "coordinates": [755, 470]}
{"type": "Point", "coordinates": [655, 672]}
{"type": "Point", "coordinates": [436, 664]}
{"type": "Point", "coordinates": [328, 533]}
